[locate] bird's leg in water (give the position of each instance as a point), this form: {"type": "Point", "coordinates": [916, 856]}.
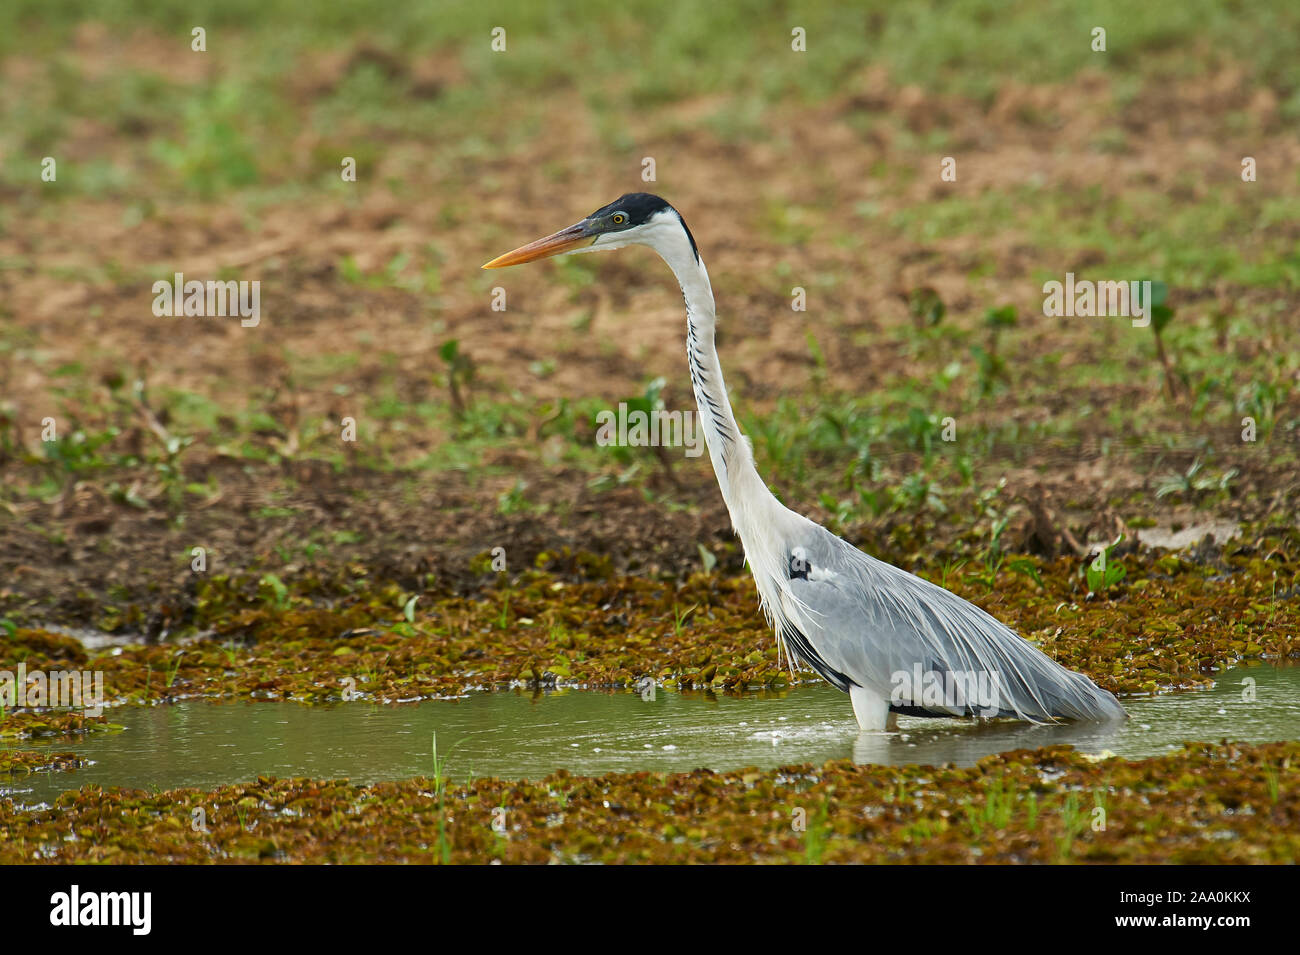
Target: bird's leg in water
{"type": "Point", "coordinates": [872, 710]}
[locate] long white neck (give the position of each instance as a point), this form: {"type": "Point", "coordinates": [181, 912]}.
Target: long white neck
{"type": "Point", "coordinates": [757, 516]}
{"type": "Point", "coordinates": [748, 499]}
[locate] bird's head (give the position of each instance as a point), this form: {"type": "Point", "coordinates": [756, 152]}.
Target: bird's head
{"type": "Point", "coordinates": [637, 218]}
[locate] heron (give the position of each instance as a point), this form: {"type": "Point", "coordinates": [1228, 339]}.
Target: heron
{"type": "Point", "coordinates": [895, 642]}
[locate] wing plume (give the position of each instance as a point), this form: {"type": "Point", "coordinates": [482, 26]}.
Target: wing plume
{"type": "Point", "coordinates": [920, 646]}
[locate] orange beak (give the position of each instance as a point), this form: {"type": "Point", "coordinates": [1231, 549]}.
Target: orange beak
{"type": "Point", "coordinates": [566, 240]}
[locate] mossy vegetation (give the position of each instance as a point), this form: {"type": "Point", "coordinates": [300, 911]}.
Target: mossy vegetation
{"type": "Point", "coordinates": [198, 505]}
{"type": "Point", "coordinates": [1206, 803]}
{"type": "Point", "coordinates": [1171, 623]}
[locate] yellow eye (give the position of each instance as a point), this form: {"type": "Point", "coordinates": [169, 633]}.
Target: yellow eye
{"type": "Point", "coordinates": [619, 218]}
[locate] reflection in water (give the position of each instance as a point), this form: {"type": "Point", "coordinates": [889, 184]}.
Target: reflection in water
{"type": "Point", "coordinates": [1255, 704]}
{"type": "Point", "coordinates": [964, 743]}
{"type": "Point", "coordinates": [515, 735]}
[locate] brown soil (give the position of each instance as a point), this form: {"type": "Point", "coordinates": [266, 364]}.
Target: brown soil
{"type": "Point", "coordinates": [63, 558]}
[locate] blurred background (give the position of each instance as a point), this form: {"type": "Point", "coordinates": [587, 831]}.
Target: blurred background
{"type": "Point", "coordinates": [816, 169]}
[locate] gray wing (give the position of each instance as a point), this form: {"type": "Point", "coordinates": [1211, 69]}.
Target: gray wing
{"type": "Point", "coordinates": [856, 619]}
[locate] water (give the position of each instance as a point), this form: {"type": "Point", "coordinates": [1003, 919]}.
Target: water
{"type": "Point", "coordinates": [516, 735]}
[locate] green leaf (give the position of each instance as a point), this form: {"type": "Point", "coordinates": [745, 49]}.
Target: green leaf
{"type": "Point", "coordinates": [643, 405]}
{"type": "Point", "coordinates": [1003, 317]}
{"type": "Point", "coordinates": [277, 588]}
{"type": "Point", "coordinates": [1161, 315]}
{"type": "Point", "coordinates": [653, 391]}
{"type": "Point", "coordinates": [1159, 292]}
{"type": "Point", "coordinates": [1095, 578]}
{"type": "Point", "coordinates": [1027, 567]}
{"type": "Point", "coordinates": [1104, 572]}
{"type": "Point", "coordinates": [925, 303]}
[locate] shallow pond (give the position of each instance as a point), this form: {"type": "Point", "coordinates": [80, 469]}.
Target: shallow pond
{"type": "Point", "coordinates": [517, 735]}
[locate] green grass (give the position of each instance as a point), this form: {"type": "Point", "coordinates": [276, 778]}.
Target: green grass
{"type": "Point", "coordinates": [244, 133]}
{"type": "Point", "coordinates": [707, 46]}
{"type": "Point", "coordinates": [1226, 235]}
{"type": "Point", "coordinates": [235, 131]}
